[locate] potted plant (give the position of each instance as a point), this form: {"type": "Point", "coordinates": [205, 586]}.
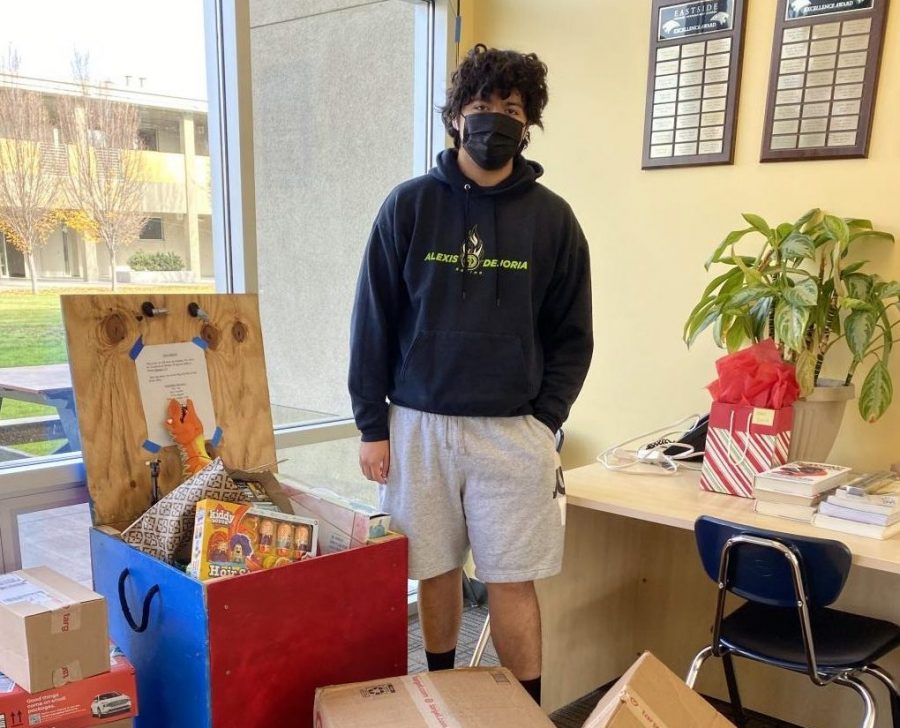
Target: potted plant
{"type": "Point", "coordinates": [800, 289]}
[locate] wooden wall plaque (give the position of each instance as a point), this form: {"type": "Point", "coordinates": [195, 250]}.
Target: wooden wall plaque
{"type": "Point", "coordinates": [823, 79]}
{"type": "Point", "coordinates": [693, 82]}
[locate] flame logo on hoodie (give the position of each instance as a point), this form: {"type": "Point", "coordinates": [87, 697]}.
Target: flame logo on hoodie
{"type": "Point", "coordinates": [472, 253]}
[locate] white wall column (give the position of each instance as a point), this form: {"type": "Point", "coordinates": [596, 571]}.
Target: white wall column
{"type": "Point", "coordinates": [191, 223]}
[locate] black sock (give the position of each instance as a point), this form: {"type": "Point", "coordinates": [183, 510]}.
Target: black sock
{"type": "Point", "coordinates": [440, 660]}
{"type": "Point", "coordinates": [533, 687]}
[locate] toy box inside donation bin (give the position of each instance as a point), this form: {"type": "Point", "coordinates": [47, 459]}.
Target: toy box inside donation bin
{"type": "Point", "coordinates": [247, 650]}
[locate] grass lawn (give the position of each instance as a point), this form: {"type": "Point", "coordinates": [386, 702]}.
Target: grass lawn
{"type": "Point", "coordinates": [31, 332]}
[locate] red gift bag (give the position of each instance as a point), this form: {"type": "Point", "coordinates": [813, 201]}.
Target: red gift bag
{"type": "Point", "coordinates": [743, 441]}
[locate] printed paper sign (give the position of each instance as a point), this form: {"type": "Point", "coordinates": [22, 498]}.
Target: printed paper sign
{"type": "Point", "coordinates": [173, 371]}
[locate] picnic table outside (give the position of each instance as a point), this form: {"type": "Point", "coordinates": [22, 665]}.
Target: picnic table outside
{"type": "Point", "coordinates": [45, 384]}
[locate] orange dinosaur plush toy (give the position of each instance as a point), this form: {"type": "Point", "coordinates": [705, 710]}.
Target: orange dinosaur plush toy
{"type": "Point", "coordinates": [187, 432]}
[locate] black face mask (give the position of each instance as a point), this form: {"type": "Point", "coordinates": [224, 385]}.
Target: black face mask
{"type": "Point", "coordinates": [492, 139]}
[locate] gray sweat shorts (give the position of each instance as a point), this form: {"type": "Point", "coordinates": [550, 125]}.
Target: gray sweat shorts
{"type": "Point", "coordinates": [490, 483]}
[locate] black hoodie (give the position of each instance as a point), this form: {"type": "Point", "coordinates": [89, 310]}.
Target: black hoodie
{"type": "Point", "coordinates": [471, 301]}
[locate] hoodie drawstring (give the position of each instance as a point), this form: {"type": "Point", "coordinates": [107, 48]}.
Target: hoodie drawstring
{"type": "Point", "coordinates": [462, 253]}
{"type": "Point", "coordinates": [462, 257]}
{"type": "Point", "coordinates": [499, 258]}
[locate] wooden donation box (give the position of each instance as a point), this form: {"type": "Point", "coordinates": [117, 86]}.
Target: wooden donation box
{"type": "Point", "coordinates": [246, 650]}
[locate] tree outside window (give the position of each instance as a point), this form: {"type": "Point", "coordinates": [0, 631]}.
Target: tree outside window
{"type": "Point", "coordinates": [106, 168]}
{"type": "Point", "coordinates": [29, 184]}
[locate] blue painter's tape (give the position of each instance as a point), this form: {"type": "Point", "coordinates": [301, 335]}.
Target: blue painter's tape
{"type": "Point", "coordinates": [200, 342]}
{"type": "Point", "coordinates": [136, 349]}
{"type": "Point", "coordinates": [151, 446]}
{"type": "Point", "coordinates": [217, 437]}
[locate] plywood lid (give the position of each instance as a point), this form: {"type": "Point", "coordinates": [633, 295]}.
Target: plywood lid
{"type": "Point", "coordinates": [101, 333]}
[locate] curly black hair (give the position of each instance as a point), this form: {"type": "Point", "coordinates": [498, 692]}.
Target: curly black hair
{"type": "Point", "coordinates": [487, 70]}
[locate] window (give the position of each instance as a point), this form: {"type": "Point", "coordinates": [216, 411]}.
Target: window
{"type": "Point", "coordinates": [326, 154]}
{"type": "Point", "coordinates": [42, 101]}
{"type": "Point", "coordinates": [153, 229]}
{"type": "Point", "coordinates": [149, 139]}
{"type": "Point", "coordinates": [312, 214]}
{"type": "Point", "coordinates": [42, 495]}
{"type": "Point", "coordinates": [201, 139]}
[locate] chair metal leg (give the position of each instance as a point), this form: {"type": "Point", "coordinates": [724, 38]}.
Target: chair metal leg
{"type": "Point", "coordinates": [731, 680]}
{"type": "Point", "coordinates": [700, 658]}
{"type": "Point", "coordinates": [482, 642]}
{"type": "Point", "coordinates": [886, 677]}
{"type": "Point", "coordinates": [863, 692]}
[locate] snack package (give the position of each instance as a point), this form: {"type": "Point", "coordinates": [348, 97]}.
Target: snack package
{"type": "Point", "coordinates": [232, 538]}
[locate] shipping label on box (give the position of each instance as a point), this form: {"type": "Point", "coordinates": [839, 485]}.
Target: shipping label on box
{"type": "Point", "coordinates": [343, 523]}
{"type": "Point", "coordinates": [481, 697]}
{"type": "Point", "coordinates": [52, 629]}
{"type": "Point", "coordinates": [650, 694]}
{"type": "Point", "coordinates": [89, 702]}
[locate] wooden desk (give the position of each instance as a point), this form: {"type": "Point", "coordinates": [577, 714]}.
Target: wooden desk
{"type": "Point", "coordinates": [678, 501]}
{"type": "Point", "coordinates": [632, 581]}
{"type": "Point", "coordinates": [48, 384]}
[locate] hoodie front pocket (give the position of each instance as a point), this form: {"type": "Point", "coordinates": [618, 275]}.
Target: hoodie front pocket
{"type": "Point", "coordinates": [465, 372]}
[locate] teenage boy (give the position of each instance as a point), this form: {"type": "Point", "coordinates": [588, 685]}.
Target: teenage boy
{"type": "Point", "coordinates": [473, 320]}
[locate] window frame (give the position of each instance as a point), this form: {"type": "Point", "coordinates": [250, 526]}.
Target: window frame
{"type": "Point", "coordinates": [59, 480]}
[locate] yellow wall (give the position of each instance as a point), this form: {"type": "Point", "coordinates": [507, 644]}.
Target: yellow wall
{"type": "Point", "coordinates": [651, 231]}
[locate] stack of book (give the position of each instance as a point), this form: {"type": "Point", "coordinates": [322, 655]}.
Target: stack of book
{"type": "Point", "coordinates": [795, 489]}
{"type": "Point", "coordinates": [866, 506]}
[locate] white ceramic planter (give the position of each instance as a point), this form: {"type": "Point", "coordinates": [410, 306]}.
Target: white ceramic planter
{"type": "Point", "coordinates": [817, 421]}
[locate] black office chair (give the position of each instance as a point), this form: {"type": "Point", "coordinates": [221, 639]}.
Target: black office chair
{"type": "Point", "coordinates": [789, 581]}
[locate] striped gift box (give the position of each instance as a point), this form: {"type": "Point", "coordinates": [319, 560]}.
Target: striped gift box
{"type": "Point", "coordinates": [743, 441]}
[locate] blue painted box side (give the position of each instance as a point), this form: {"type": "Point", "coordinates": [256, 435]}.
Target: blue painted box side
{"type": "Point", "coordinates": [171, 656]}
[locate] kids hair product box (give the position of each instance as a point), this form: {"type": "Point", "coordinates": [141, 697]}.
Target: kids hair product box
{"type": "Point", "coordinates": [235, 538]}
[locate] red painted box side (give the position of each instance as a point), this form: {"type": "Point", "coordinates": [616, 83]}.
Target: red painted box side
{"type": "Point", "coordinates": [333, 619]}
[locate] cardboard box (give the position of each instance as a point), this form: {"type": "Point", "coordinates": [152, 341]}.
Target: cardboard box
{"type": "Point", "coordinates": [650, 694]}
{"type": "Point", "coordinates": [89, 702]}
{"type": "Point", "coordinates": [480, 697]}
{"type": "Point", "coordinates": [52, 629]}
{"type": "Point", "coordinates": [343, 523]}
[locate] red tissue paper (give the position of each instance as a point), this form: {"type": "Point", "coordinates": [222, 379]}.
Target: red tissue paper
{"type": "Point", "coordinates": [756, 376]}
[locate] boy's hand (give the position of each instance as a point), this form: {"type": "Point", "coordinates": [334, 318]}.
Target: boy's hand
{"type": "Point", "coordinates": [375, 460]}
